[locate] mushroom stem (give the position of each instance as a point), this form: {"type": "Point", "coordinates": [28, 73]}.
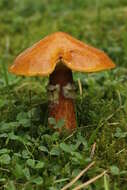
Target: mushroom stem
{"type": "Point", "coordinates": [63, 108]}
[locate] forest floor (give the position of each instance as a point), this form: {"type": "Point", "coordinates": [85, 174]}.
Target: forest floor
{"type": "Point", "coordinates": [34, 157]}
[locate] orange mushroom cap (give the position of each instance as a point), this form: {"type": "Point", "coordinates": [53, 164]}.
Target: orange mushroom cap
{"type": "Point", "coordinates": [42, 58]}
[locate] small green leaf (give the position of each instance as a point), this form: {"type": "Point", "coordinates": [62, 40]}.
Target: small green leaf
{"type": "Point", "coordinates": [43, 148]}
{"type": "Point", "coordinates": [5, 127]}
{"type": "Point", "coordinates": [5, 159]}
{"type": "Point", "coordinates": [12, 136]}
{"type": "Point", "coordinates": [60, 123]}
{"type": "Point", "coordinates": [55, 151]}
{"type": "Point", "coordinates": [3, 135]}
{"type": "Point", "coordinates": [23, 119]}
{"type": "Point", "coordinates": [39, 165]}
{"type": "Point", "coordinates": [52, 121]}
{"type": "Point", "coordinates": [4, 151]}
{"type": "Point", "coordinates": [25, 122]}
{"type": "Point", "coordinates": [55, 136]}
{"type": "Point", "coordinates": [11, 186]}
{"type": "Point", "coordinates": [38, 180]}
{"type": "Point", "coordinates": [66, 148]}
{"type": "Point", "coordinates": [119, 133]}
{"type": "Point", "coordinates": [2, 103]}
{"type": "Point", "coordinates": [31, 163]}
{"type": "Point", "coordinates": [78, 155]}
{"type": "Point", "coordinates": [114, 170]}
{"type": "Point", "coordinates": [18, 171]}
{"type": "Point", "coordinates": [2, 180]}
{"type": "Point", "coordinates": [25, 154]}
{"type": "Point", "coordinates": [21, 115]}
{"type": "Point", "coordinates": [26, 173]}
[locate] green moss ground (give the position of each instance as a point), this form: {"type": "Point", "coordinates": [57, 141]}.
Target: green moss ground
{"type": "Point", "coordinates": [32, 156]}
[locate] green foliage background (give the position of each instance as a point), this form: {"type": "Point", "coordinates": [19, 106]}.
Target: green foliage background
{"type": "Point", "coordinates": [32, 156]}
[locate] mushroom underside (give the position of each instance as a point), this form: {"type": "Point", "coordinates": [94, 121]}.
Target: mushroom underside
{"type": "Point", "coordinates": [61, 96]}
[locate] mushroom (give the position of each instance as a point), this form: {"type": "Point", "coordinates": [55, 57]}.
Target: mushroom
{"type": "Point", "coordinates": [56, 56]}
